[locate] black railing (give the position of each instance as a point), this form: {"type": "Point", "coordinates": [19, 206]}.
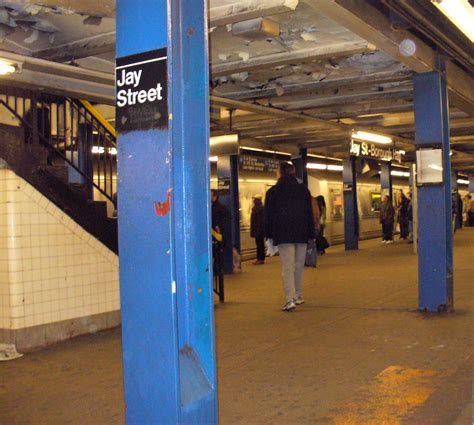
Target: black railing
{"type": "Point", "coordinates": [73, 135]}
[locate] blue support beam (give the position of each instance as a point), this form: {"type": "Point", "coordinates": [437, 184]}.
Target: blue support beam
{"type": "Point", "coordinates": [386, 179]}
{"type": "Point", "coordinates": [351, 212]}
{"type": "Point", "coordinates": [435, 241]}
{"type": "Point", "coordinates": [228, 185]}
{"type": "Point", "coordinates": [164, 212]}
{"type": "Point", "coordinates": [300, 163]}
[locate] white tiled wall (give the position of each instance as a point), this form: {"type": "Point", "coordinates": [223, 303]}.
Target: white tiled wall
{"type": "Point", "coordinates": [50, 268]}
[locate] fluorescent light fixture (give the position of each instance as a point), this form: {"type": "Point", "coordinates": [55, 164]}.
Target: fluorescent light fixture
{"type": "Point", "coordinates": [247, 148]}
{"type": "Point", "coordinates": [435, 167]}
{"type": "Point", "coordinates": [315, 166]}
{"type": "Point", "coordinates": [371, 137]}
{"type": "Point", "coordinates": [213, 158]}
{"type": "Point", "coordinates": [260, 181]}
{"type": "Point", "coordinates": [463, 181]}
{"type": "Point", "coordinates": [226, 138]}
{"type": "Point", "coordinates": [313, 155]}
{"type": "Point", "coordinates": [333, 167]}
{"type": "Point", "coordinates": [460, 13]}
{"type": "Point", "coordinates": [101, 150]}
{"type": "Point", "coordinates": [398, 173]}
{"type": "Point", "coordinates": [98, 149]}
{"type": "Point", "coordinates": [7, 67]}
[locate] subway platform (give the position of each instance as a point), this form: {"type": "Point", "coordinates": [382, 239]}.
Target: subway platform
{"type": "Point", "coordinates": [357, 352]}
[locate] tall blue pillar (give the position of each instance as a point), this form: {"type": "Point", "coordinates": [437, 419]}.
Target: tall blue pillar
{"type": "Point", "coordinates": [228, 185]}
{"type": "Point", "coordinates": [351, 212]}
{"type": "Point", "coordinates": [300, 163]}
{"type": "Point", "coordinates": [435, 241]}
{"type": "Point", "coordinates": [164, 212]}
{"type": "Point", "coordinates": [386, 179]}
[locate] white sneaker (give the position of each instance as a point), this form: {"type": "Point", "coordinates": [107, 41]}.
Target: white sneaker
{"type": "Point", "coordinates": [384, 241]}
{"type": "Point", "coordinates": [389, 242]}
{"type": "Point", "coordinates": [299, 300]}
{"type": "Point", "coordinates": [290, 305]}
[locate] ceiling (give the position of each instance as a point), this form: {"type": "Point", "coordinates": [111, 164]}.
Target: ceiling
{"type": "Point", "coordinates": [324, 67]}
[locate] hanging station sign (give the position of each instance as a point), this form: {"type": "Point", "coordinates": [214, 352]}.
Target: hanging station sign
{"type": "Point", "coordinates": [142, 91]}
{"type": "Point", "coordinates": [374, 151]}
{"type": "Point", "coordinates": [257, 163]}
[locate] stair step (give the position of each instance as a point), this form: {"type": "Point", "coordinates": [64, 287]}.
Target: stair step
{"type": "Point", "coordinates": [99, 207]}
{"type": "Point", "coordinates": [58, 171]}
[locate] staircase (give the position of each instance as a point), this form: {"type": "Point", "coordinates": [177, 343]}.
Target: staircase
{"type": "Point", "coordinates": [64, 149]}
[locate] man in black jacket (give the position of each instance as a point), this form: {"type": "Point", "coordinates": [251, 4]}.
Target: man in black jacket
{"type": "Point", "coordinates": [289, 223]}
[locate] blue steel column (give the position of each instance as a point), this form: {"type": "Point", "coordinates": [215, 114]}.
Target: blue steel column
{"type": "Point", "coordinates": [386, 179]}
{"type": "Point", "coordinates": [435, 241]}
{"type": "Point", "coordinates": [300, 163]}
{"type": "Point", "coordinates": [228, 178]}
{"type": "Point", "coordinates": [165, 271]}
{"type": "Point", "coordinates": [351, 213]}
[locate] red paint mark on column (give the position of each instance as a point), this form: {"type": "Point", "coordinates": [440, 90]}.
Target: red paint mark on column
{"type": "Point", "coordinates": [163, 208]}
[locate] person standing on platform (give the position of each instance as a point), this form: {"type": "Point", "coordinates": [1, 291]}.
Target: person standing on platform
{"type": "Point", "coordinates": [387, 218]}
{"type": "Point", "coordinates": [220, 221]}
{"type": "Point", "coordinates": [289, 224]}
{"type": "Point", "coordinates": [257, 230]}
{"type": "Point", "coordinates": [403, 203]}
{"type": "Point", "coordinates": [322, 220]}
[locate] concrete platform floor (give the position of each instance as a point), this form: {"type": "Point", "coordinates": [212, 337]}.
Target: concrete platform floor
{"type": "Point", "coordinates": [357, 352]}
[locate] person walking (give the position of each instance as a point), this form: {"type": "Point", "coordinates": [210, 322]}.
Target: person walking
{"type": "Point", "coordinates": [387, 218]}
{"type": "Point", "coordinates": [289, 224]}
{"type": "Point", "coordinates": [257, 230]}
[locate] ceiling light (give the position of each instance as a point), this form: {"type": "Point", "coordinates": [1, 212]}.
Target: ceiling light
{"type": "Point", "coordinates": [314, 166]}
{"type": "Point", "coordinates": [463, 181]}
{"type": "Point", "coordinates": [371, 137]}
{"type": "Point", "coordinates": [226, 138]}
{"type": "Point", "coordinates": [460, 13]}
{"type": "Point", "coordinates": [7, 67]}
{"type": "Point", "coordinates": [98, 149]}
{"type": "Point", "coordinates": [269, 181]}
{"type": "Point", "coordinates": [332, 167]}
{"type": "Point", "coordinates": [264, 150]}
{"type": "Point", "coordinates": [400, 173]}
{"type": "Point", "coordinates": [213, 158]}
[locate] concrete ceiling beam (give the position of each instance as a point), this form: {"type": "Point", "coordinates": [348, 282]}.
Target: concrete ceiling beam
{"type": "Point", "coordinates": [367, 22]}
{"type": "Point", "coordinates": [285, 58]}
{"type": "Point", "coordinates": [275, 112]}
{"type": "Point", "coordinates": [60, 79]}
{"type": "Point", "coordinates": [86, 47]}
{"type": "Point", "coordinates": [366, 80]}
{"type": "Point", "coordinates": [292, 105]}
{"type": "Point", "coordinates": [247, 9]}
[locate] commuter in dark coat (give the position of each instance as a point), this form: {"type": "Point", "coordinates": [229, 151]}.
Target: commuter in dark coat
{"type": "Point", "coordinates": [257, 230]}
{"type": "Point", "coordinates": [387, 218]}
{"type": "Point", "coordinates": [220, 214]}
{"type": "Point", "coordinates": [289, 224]}
{"type": "Point", "coordinates": [403, 203]}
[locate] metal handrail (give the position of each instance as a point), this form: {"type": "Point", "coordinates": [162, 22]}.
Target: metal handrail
{"type": "Point", "coordinates": [46, 142]}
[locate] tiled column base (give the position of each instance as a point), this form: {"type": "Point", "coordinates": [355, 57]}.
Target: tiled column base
{"type": "Point", "coordinates": [35, 337]}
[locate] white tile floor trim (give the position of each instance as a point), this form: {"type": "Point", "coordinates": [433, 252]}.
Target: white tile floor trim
{"type": "Point", "coordinates": [51, 269]}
